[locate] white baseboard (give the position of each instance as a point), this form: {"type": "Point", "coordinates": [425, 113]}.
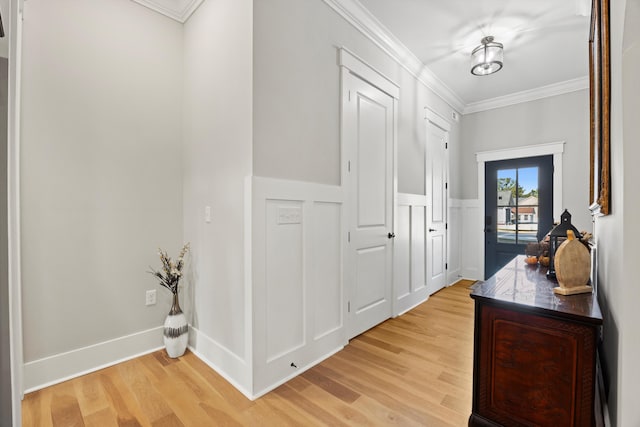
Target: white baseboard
{"type": "Point", "coordinates": [296, 373]}
{"type": "Point", "coordinates": [227, 364]}
{"type": "Point", "coordinates": [71, 364]}
{"type": "Point", "coordinates": [412, 307]}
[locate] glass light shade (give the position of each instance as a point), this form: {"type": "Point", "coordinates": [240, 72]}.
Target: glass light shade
{"type": "Point", "coordinates": [487, 58]}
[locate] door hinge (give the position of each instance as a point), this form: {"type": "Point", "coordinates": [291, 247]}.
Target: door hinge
{"type": "Point", "coordinates": [349, 166]}
{"type": "Point", "coordinates": [349, 96]}
{"type": "Point", "coordinates": [348, 306]}
{"type": "Point", "coordinates": [446, 185]}
{"type": "Point", "coordinates": [349, 236]}
{"type": "Point", "coordinates": [446, 145]}
{"type": "Point", "coordinates": [446, 226]}
{"type": "Point", "coordinates": [446, 266]}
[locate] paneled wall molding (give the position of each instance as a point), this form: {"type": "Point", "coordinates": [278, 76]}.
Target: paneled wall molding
{"type": "Point", "coordinates": [471, 256]}
{"type": "Point", "coordinates": [454, 240]}
{"type": "Point", "coordinates": [556, 149]}
{"type": "Point", "coordinates": [64, 366]}
{"type": "Point", "coordinates": [410, 246]}
{"type": "Point", "coordinates": [298, 298]}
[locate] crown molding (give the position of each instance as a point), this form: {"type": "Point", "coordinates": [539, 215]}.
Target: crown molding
{"type": "Point", "coordinates": [528, 95]}
{"type": "Point", "coordinates": [180, 10]}
{"type": "Point", "coordinates": [357, 15]}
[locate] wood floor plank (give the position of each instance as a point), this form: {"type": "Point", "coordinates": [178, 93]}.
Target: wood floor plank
{"type": "Point", "coordinates": [414, 370]}
{"type": "Point", "coordinates": [65, 410]}
{"type": "Point", "coordinates": [150, 401]}
{"type": "Point", "coordinates": [313, 409]}
{"type": "Point", "coordinates": [90, 395]}
{"type": "Point", "coordinates": [36, 409]}
{"type": "Point", "coordinates": [330, 386]}
{"type": "Point", "coordinates": [120, 398]}
{"type": "Point", "coordinates": [103, 418]}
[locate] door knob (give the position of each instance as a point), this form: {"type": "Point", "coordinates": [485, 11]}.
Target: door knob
{"type": "Point", "coordinates": [432, 229]}
{"type": "Point", "coordinates": [391, 235]}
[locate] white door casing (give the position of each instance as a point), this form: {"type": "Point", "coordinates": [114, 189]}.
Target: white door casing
{"type": "Point", "coordinates": [556, 149]}
{"type": "Point", "coordinates": [436, 176]}
{"type": "Point", "coordinates": [368, 138]}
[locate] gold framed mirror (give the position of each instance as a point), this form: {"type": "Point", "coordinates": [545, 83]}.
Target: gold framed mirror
{"type": "Point", "coordinates": [600, 103]}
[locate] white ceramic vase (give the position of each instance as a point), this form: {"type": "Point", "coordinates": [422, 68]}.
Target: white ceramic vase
{"type": "Point", "coordinates": [176, 330]}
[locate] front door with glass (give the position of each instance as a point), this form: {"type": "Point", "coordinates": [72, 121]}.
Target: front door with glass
{"type": "Point", "coordinates": [518, 207]}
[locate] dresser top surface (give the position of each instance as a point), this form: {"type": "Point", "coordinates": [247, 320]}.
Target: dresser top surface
{"type": "Point", "coordinates": [520, 284]}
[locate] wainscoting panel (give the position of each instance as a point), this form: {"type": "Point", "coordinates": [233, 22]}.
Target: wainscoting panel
{"type": "Point", "coordinates": [402, 253]}
{"type": "Point", "coordinates": [297, 290]}
{"type": "Point", "coordinates": [326, 270]}
{"type": "Point", "coordinates": [418, 233]}
{"type": "Point", "coordinates": [409, 264]}
{"type": "Point", "coordinates": [284, 296]}
{"type": "Point", "coordinates": [454, 241]}
{"type": "Point", "coordinates": [471, 251]}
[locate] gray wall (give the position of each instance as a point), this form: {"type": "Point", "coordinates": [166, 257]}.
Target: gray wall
{"type": "Point", "coordinates": [5, 349]}
{"type": "Point", "coordinates": [558, 118]}
{"type": "Point", "coordinates": [297, 95]}
{"type": "Point", "coordinates": [618, 234]}
{"type": "Point", "coordinates": [216, 160]}
{"type": "Point", "coordinates": [101, 170]}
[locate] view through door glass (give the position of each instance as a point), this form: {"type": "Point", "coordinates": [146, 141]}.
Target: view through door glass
{"type": "Point", "coordinates": [518, 207]}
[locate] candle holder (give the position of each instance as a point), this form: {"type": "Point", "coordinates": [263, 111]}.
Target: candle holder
{"type": "Point", "coordinates": [556, 237]}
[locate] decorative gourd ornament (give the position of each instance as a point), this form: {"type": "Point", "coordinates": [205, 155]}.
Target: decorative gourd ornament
{"type": "Point", "coordinates": [573, 267]}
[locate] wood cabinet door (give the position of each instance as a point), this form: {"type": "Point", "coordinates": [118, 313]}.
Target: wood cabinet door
{"type": "Point", "coordinates": [533, 370]}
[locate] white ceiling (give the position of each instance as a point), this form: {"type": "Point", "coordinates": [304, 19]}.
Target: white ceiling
{"type": "Point", "coordinates": [545, 41]}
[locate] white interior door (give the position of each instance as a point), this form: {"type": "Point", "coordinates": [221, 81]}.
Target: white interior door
{"type": "Point", "coordinates": [436, 172]}
{"type": "Point", "coordinates": [368, 126]}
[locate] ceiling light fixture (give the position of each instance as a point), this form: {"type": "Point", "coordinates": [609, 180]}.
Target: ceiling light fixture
{"type": "Point", "coordinates": [487, 58]}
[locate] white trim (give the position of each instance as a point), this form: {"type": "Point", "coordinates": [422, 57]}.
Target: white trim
{"type": "Point", "coordinates": [402, 303]}
{"type": "Point", "coordinates": [554, 148]}
{"type": "Point", "coordinates": [71, 364]}
{"type": "Point", "coordinates": [470, 256]}
{"type": "Point", "coordinates": [454, 247]}
{"type": "Point", "coordinates": [297, 372]}
{"type": "Point", "coordinates": [368, 73]}
{"type": "Point", "coordinates": [528, 95]}
{"type": "Point", "coordinates": [406, 310]}
{"type": "Point", "coordinates": [358, 16]}
{"type": "Point", "coordinates": [180, 10]}
{"type": "Point", "coordinates": [13, 214]}
{"type": "Point", "coordinates": [249, 369]}
{"type": "Point", "coordinates": [437, 120]}
{"type": "Point", "coordinates": [408, 199]}
{"type": "Point", "coordinates": [228, 365]}
{"type": "Point", "coordinates": [364, 21]}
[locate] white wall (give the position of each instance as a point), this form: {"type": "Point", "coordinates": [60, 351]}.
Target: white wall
{"type": "Point", "coordinates": [217, 158]}
{"type": "Point", "coordinates": [558, 118]}
{"type": "Point", "coordinates": [101, 171]}
{"type": "Point", "coordinates": [297, 88]}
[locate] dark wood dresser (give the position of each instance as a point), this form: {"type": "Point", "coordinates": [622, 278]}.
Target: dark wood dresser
{"type": "Point", "coordinates": [534, 351]}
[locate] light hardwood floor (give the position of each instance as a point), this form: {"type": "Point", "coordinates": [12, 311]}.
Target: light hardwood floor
{"type": "Point", "coordinates": [412, 370]}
